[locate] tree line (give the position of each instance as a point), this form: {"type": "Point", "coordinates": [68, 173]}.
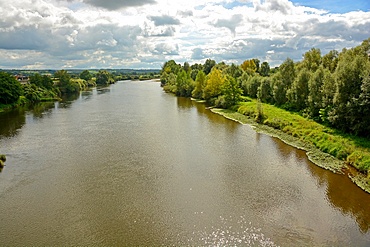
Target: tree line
{"type": "Point", "coordinates": [332, 89]}
{"type": "Point", "coordinates": [47, 87]}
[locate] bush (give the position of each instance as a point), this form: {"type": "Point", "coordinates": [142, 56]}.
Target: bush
{"type": "Point", "coordinates": [2, 157]}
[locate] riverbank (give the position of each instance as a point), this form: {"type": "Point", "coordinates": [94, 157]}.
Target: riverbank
{"type": "Point", "coordinates": [325, 147]}
{"type": "Point", "coordinates": [22, 101]}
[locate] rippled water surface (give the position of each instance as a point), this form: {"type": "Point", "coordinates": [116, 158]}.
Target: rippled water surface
{"type": "Point", "coordinates": [131, 165]}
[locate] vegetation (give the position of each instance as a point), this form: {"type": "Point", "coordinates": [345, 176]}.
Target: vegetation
{"type": "Point", "coordinates": [50, 85]}
{"type": "Point", "coordinates": [2, 160]}
{"type": "Point", "coordinates": [10, 89]}
{"type": "Point", "coordinates": [323, 101]}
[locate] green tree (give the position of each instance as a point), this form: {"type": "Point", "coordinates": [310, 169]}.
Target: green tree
{"type": "Point", "coordinates": [279, 89]}
{"type": "Point", "coordinates": [315, 97]}
{"type": "Point", "coordinates": [10, 89]}
{"type": "Point", "coordinates": [103, 77]}
{"type": "Point", "coordinates": [287, 72]}
{"type": "Point", "coordinates": [298, 93]}
{"type": "Point", "coordinates": [186, 67]}
{"type": "Point", "coordinates": [200, 83]}
{"type": "Point", "coordinates": [43, 81]}
{"type": "Point", "coordinates": [251, 85]}
{"type": "Point", "coordinates": [231, 91]}
{"type": "Point", "coordinates": [330, 60]}
{"type": "Point", "coordinates": [64, 78]}
{"type": "Point", "coordinates": [169, 67]}
{"type": "Point", "coordinates": [312, 59]}
{"type": "Point", "coordinates": [264, 91]}
{"type": "Point", "coordinates": [249, 66]}
{"type": "Point", "coordinates": [195, 68]}
{"type": "Point", "coordinates": [65, 84]}
{"type": "Point", "coordinates": [208, 65]}
{"type": "Point", "coordinates": [214, 83]}
{"type": "Point", "coordinates": [257, 63]}
{"type": "Point", "coordinates": [265, 69]}
{"type": "Point", "coordinates": [349, 76]}
{"type": "Point", "coordinates": [86, 75]}
{"type": "Point", "coordinates": [184, 84]}
{"type": "Point", "coordinates": [234, 70]}
{"type": "Point", "coordinates": [360, 107]}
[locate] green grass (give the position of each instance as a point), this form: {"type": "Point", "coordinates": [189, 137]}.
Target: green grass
{"type": "Point", "coordinates": [326, 147]}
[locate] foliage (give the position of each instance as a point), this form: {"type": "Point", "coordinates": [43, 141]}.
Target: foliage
{"type": "Point", "coordinates": [249, 66]}
{"type": "Point", "coordinates": [184, 84]}
{"type": "Point", "coordinates": [64, 82]}
{"type": "Point", "coordinates": [10, 89]}
{"type": "Point", "coordinates": [200, 83]}
{"type": "Point", "coordinates": [103, 77]}
{"type": "Point", "coordinates": [43, 81]}
{"type": "Point", "coordinates": [265, 69]}
{"type": "Point", "coordinates": [231, 91]}
{"type": "Point", "coordinates": [208, 65]}
{"type": "Point", "coordinates": [2, 157]}
{"type": "Point", "coordinates": [214, 84]}
{"type": "Point", "coordinates": [86, 75]}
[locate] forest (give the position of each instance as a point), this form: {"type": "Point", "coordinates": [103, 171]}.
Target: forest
{"type": "Point", "coordinates": [333, 89]}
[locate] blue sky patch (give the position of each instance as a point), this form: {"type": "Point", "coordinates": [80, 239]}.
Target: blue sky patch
{"type": "Point", "coordinates": [336, 6]}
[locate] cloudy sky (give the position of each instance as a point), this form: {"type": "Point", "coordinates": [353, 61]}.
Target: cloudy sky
{"type": "Point", "coordinates": [55, 34]}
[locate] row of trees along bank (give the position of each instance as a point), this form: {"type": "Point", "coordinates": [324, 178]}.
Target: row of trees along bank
{"type": "Point", "coordinates": [332, 89]}
{"type": "Point", "coordinates": [47, 87]}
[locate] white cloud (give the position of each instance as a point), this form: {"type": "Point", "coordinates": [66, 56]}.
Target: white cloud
{"type": "Point", "coordinates": [143, 34]}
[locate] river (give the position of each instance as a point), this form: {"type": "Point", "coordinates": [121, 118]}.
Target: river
{"type": "Point", "coordinates": [131, 165]}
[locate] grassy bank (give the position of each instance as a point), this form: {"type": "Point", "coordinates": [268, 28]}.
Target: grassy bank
{"type": "Point", "coordinates": [326, 147]}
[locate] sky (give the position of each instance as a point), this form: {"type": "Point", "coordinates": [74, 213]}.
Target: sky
{"type": "Point", "coordinates": [143, 34]}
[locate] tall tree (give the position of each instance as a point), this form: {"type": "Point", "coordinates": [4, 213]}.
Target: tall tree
{"type": "Point", "coordinates": [312, 59]}
{"type": "Point", "coordinates": [315, 97]}
{"type": "Point", "coordinates": [231, 91]}
{"type": "Point", "coordinates": [298, 93]}
{"type": "Point", "coordinates": [265, 69]}
{"type": "Point", "coordinates": [43, 81]}
{"type": "Point", "coordinates": [264, 91]}
{"type": "Point", "coordinates": [213, 88]}
{"type": "Point", "coordinates": [86, 75]}
{"type": "Point", "coordinates": [249, 66]}
{"type": "Point", "coordinates": [184, 85]}
{"type": "Point", "coordinates": [287, 72]}
{"type": "Point", "coordinates": [103, 77]}
{"type": "Point", "coordinates": [349, 76]}
{"type": "Point", "coordinates": [10, 89]}
{"type": "Point", "coordinates": [208, 65]}
{"type": "Point", "coordinates": [200, 83]}
{"type": "Point", "coordinates": [279, 89]}
{"type": "Point", "coordinates": [330, 60]}
{"type": "Point", "coordinates": [234, 70]}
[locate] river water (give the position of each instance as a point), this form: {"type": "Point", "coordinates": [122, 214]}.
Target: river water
{"type": "Point", "coordinates": [131, 165]}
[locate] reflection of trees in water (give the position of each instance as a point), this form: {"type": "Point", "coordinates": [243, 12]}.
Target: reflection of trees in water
{"type": "Point", "coordinates": [38, 110]}
{"type": "Point", "coordinates": [12, 121]}
{"type": "Point", "coordinates": [345, 195]}
{"type": "Point", "coordinates": [67, 100]}
{"type": "Point", "coordinates": [184, 103]}
{"type": "Point", "coordinates": [187, 104]}
{"type": "Point", "coordinates": [341, 191]}
{"type": "Point", "coordinates": [102, 90]}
